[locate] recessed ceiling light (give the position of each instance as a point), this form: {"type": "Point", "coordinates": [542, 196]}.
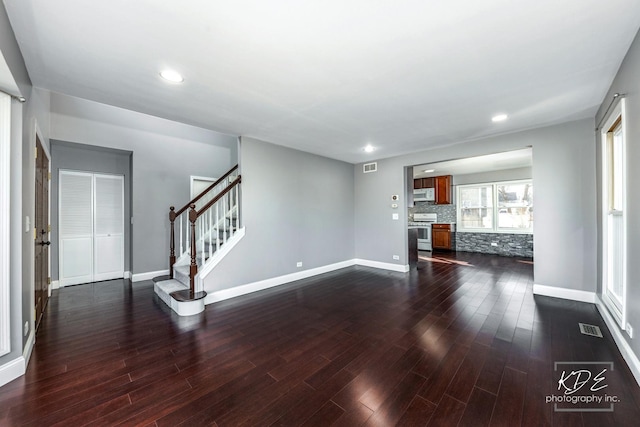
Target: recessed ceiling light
{"type": "Point", "coordinates": [499, 118]}
{"type": "Point", "coordinates": [429, 170]}
{"type": "Point", "coordinates": [171, 76]}
{"type": "Point", "coordinates": [369, 148]}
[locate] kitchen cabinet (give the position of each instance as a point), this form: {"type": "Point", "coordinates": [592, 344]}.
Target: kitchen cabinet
{"type": "Point", "coordinates": [419, 183]}
{"type": "Point", "coordinates": [441, 236]}
{"type": "Point", "coordinates": [442, 185]}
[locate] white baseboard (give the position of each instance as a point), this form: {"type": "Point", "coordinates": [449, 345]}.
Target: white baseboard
{"type": "Point", "coordinates": [28, 348]}
{"type": "Point", "coordinates": [12, 370]}
{"type": "Point", "coordinates": [382, 265]}
{"type": "Point", "coordinates": [571, 294]}
{"type": "Point", "coordinates": [127, 274]}
{"type": "Point", "coordinates": [139, 277]}
{"type": "Point", "coordinates": [625, 349]}
{"type": "Point", "coordinates": [55, 284]}
{"type": "Point", "coordinates": [237, 291]}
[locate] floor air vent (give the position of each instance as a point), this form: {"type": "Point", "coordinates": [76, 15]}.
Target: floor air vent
{"type": "Point", "coordinates": [592, 330]}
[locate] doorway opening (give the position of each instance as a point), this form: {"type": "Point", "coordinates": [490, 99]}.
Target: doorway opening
{"type": "Point", "coordinates": [480, 204]}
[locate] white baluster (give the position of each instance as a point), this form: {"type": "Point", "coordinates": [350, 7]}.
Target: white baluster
{"type": "Point", "coordinates": [236, 207]}
{"type": "Point", "coordinates": [210, 214]}
{"type": "Point", "coordinates": [217, 227]}
{"type": "Point", "coordinates": [201, 237]}
{"type": "Point", "coordinates": [224, 223]}
{"type": "Point", "coordinates": [180, 226]}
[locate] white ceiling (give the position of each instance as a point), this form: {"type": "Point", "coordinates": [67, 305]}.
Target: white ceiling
{"type": "Point", "coordinates": [490, 162]}
{"type": "Point", "coordinates": [330, 76]}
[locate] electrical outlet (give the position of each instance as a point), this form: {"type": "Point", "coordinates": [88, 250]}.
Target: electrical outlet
{"type": "Point", "coordinates": [299, 264]}
{"type": "Point", "coordinates": [494, 243]}
{"type": "Point", "coordinates": [26, 328]}
{"type": "Point", "coordinates": [396, 257]}
{"type": "Point", "coordinates": [629, 330]}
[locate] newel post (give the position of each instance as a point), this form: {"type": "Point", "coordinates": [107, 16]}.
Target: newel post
{"type": "Point", "coordinates": [172, 241]}
{"type": "Point", "coordinates": [193, 268]}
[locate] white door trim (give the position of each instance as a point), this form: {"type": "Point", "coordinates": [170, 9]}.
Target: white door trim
{"type": "Point", "coordinates": [5, 206]}
{"type": "Point", "coordinates": [198, 178]}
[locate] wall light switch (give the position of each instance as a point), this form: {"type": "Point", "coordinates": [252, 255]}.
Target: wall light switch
{"type": "Point", "coordinates": [27, 224]}
{"type": "Point", "coordinates": [395, 216]}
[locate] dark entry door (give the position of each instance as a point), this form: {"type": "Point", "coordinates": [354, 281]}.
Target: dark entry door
{"type": "Point", "coordinates": [41, 232]}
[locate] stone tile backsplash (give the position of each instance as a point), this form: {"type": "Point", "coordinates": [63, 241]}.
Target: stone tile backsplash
{"type": "Point", "coordinates": [446, 213]}
{"type": "Point", "coordinates": [520, 245]}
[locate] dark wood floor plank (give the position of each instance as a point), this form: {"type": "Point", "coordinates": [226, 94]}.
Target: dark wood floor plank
{"type": "Point", "coordinates": [448, 413]}
{"type": "Point", "coordinates": [493, 369]}
{"type": "Point", "coordinates": [356, 414]}
{"type": "Point", "coordinates": [465, 378]}
{"type": "Point", "coordinates": [357, 346]}
{"type": "Point", "coordinates": [325, 416]}
{"type": "Point", "coordinates": [437, 383]}
{"type": "Point", "coordinates": [398, 401]}
{"type": "Point", "coordinates": [418, 413]}
{"type": "Point", "coordinates": [477, 413]}
{"type": "Point", "coordinates": [393, 376]}
{"type": "Point", "coordinates": [510, 401]}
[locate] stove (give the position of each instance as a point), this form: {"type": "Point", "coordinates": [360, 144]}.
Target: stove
{"type": "Point", "coordinates": [423, 221]}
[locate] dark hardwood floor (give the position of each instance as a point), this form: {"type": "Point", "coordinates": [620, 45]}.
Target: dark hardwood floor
{"type": "Point", "coordinates": [461, 341]}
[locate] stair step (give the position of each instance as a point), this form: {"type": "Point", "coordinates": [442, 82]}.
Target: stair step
{"type": "Point", "coordinates": [186, 295]}
{"type": "Point", "coordinates": [179, 297]}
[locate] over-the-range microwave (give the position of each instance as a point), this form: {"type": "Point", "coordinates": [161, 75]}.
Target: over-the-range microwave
{"type": "Point", "coordinates": [424, 195]}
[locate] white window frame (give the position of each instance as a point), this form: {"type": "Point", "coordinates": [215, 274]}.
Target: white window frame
{"type": "Point", "coordinates": [617, 308]}
{"type": "Point", "coordinates": [495, 229]}
{"type": "Point", "coordinates": [5, 206]}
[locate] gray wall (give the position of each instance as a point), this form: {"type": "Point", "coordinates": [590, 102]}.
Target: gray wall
{"type": "Point", "coordinates": [627, 82]}
{"type": "Point", "coordinates": [564, 179]}
{"type": "Point", "coordinates": [87, 158]}
{"type": "Point", "coordinates": [296, 207]}
{"type": "Point", "coordinates": [165, 155]}
{"type": "Point", "coordinates": [24, 118]}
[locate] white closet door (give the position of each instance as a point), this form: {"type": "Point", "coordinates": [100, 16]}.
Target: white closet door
{"type": "Point", "coordinates": [76, 228]}
{"type": "Point", "coordinates": [108, 227]}
{"type": "Point", "coordinates": [91, 227]}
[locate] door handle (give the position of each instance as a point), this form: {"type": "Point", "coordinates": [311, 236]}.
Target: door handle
{"type": "Point", "coordinates": [45, 243]}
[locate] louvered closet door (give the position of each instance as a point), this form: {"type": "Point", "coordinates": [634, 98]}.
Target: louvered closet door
{"type": "Point", "coordinates": [76, 228]}
{"type": "Point", "coordinates": [91, 227]}
{"type": "Point", "coordinates": [109, 227]}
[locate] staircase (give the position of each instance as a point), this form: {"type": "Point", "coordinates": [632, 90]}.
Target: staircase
{"type": "Point", "coordinates": [202, 231]}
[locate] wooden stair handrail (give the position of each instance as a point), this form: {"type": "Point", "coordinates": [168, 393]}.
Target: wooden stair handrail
{"type": "Point", "coordinates": [213, 201]}
{"type": "Point", "coordinates": [199, 196]}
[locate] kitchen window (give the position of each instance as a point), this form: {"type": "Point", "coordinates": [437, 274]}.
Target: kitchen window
{"type": "Point", "coordinates": [496, 207]}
